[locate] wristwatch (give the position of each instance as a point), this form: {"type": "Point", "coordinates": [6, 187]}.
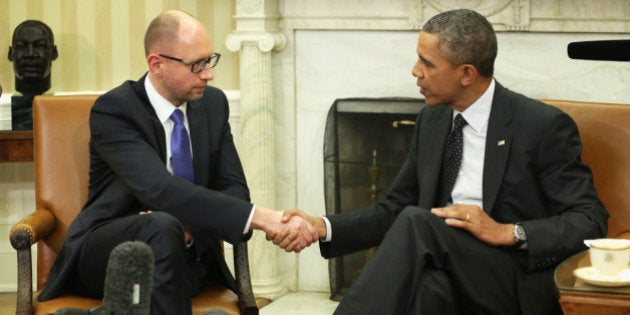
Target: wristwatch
{"type": "Point", "coordinates": [520, 236]}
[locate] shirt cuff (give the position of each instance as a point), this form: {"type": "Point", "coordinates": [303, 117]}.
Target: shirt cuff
{"type": "Point", "coordinates": [249, 220]}
{"type": "Point", "coordinates": [328, 230]}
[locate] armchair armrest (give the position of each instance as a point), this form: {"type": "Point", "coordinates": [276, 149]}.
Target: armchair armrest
{"type": "Point", "coordinates": [31, 229]}
{"type": "Point", "coordinates": [246, 300]}
{"type": "Point", "coordinates": [23, 234]}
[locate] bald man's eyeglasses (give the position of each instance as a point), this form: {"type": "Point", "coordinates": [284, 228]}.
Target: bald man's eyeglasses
{"type": "Point", "coordinates": [197, 66]}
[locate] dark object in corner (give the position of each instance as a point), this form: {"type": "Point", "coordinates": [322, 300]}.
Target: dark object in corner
{"type": "Point", "coordinates": [22, 112]}
{"type": "Point", "coordinates": [611, 50]}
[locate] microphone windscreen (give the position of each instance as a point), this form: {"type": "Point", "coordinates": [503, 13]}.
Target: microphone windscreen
{"type": "Point", "coordinates": [129, 279]}
{"type": "Point", "coordinates": [611, 50]}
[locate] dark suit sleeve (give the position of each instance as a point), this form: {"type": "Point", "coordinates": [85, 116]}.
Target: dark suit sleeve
{"type": "Point", "coordinates": [576, 211]}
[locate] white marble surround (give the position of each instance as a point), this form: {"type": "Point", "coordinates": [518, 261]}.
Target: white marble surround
{"type": "Point", "coordinates": [327, 49]}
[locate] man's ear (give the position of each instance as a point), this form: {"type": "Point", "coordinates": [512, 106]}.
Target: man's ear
{"type": "Point", "coordinates": [54, 53]}
{"type": "Point", "coordinates": [155, 64]}
{"type": "Point", "coordinates": [469, 74]}
{"type": "Point", "coordinates": [10, 55]}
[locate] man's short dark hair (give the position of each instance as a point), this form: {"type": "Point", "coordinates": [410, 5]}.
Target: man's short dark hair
{"type": "Point", "coordinates": [465, 37]}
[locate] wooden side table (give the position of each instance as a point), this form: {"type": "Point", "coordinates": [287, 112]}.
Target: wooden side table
{"type": "Point", "coordinates": [16, 146]}
{"type": "Point", "coordinates": [580, 298]}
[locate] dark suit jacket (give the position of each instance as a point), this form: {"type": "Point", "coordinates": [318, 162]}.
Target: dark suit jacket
{"type": "Point", "coordinates": [128, 174]}
{"type": "Point", "coordinates": [532, 175]}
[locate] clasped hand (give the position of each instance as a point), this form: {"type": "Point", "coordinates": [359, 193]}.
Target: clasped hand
{"type": "Point", "coordinates": [291, 233]}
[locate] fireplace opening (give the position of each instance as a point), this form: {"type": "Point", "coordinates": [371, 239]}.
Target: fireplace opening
{"type": "Point", "coordinates": [365, 143]}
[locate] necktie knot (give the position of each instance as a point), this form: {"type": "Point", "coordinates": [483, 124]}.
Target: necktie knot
{"type": "Point", "coordinates": [177, 117]}
{"type": "Point", "coordinates": [459, 123]}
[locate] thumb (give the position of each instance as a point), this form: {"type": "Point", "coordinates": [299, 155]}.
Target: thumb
{"type": "Point", "coordinates": [287, 214]}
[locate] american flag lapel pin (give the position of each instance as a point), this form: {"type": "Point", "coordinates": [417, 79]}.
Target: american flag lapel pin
{"type": "Point", "coordinates": [501, 143]}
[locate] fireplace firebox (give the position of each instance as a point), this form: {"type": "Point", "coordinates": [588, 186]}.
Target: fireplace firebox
{"type": "Point", "coordinates": [365, 144]}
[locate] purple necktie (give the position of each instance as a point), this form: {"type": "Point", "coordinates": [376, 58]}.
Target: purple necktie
{"type": "Point", "coordinates": [181, 157]}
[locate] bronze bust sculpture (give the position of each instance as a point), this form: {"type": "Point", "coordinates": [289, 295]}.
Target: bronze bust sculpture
{"type": "Point", "coordinates": [32, 51]}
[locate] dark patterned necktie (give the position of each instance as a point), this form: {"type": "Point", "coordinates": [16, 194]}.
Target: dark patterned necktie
{"type": "Point", "coordinates": [451, 160]}
{"type": "Point", "coordinates": [181, 157]}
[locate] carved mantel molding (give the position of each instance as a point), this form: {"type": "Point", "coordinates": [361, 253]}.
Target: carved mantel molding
{"type": "Point", "coordinates": [557, 16]}
{"type": "Point", "coordinates": [266, 41]}
{"type": "Point", "coordinates": [257, 22]}
{"type": "Point", "coordinates": [510, 15]}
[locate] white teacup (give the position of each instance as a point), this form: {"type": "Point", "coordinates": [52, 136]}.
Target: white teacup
{"type": "Point", "coordinates": [610, 256]}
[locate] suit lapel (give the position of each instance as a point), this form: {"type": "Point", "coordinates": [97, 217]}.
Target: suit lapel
{"type": "Point", "coordinates": [199, 139]}
{"type": "Point", "coordinates": [498, 142]}
{"type": "Point", "coordinates": [430, 150]}
{"type": "Point", "coordinates": [159, 141]}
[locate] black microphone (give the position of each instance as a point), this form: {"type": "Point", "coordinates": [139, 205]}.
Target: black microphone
{"type": "Point", "coordinates": [611, 50]}
{"type": "Point", "coordinates": [128, 280]}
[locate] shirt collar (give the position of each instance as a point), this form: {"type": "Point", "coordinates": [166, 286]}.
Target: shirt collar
{"type": "Point", "coordinates": [163, 108]}
{"type": "Point", "coordinates": [478, 113]}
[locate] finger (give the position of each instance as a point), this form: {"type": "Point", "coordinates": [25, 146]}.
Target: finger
{"type": "Point", "coordinates": [272, 236]}
{"type": "Point", "coordinates": [440, 212]}
{"type": "Point", "coordinates": [295, 249]}
{"type": "Point", "coordinates": [312, 230]}
{"type": "Point", "coordinates": [290, 238]}
{"type": "Point", "coordinates": [280, 238]}
{"type": "Point", "coordinates": [289, 247]}
{"type": "Point", "coordinates": [295, 245]}
{"type": "Point", "coordinates": [456, 223]}
{"type": "Point", "coordinates": [313, 233]}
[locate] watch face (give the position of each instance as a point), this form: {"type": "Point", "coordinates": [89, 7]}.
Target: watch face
{"type": "Point", "coordinates": [519, 233]}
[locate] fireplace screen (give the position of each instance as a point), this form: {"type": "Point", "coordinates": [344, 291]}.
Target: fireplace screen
{"type": "Point", "coordinates": [365, 144]}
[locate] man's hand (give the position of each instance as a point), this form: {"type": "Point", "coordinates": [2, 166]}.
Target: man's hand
{"type": "Point", "coordinates": [477, 222]}
{"type": "Point", "coordinates": [316, 222]}
{"type": "Point", "coordinates": [291, 235]}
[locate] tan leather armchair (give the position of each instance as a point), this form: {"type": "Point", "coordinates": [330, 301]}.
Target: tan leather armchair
{"type": "Point", "coordinates": [61, 134]}
{"type": "Point", "coordinates": [605, 132]}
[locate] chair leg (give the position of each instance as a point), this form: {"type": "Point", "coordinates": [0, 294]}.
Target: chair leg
{"type": "Point", "coordinates": [24, 303]}
{"type": "Point", "coordinates": [246, 300]}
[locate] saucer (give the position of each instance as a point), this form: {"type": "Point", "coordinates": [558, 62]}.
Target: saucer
{"type": "Point", "coordinates": [591, 276]}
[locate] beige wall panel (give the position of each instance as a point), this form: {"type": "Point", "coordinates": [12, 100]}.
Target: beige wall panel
{"type": "Point", "coordinates": [100, 42]}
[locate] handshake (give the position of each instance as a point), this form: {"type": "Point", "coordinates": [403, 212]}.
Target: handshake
{"type": "Point", "coordinates": [292, 230]}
